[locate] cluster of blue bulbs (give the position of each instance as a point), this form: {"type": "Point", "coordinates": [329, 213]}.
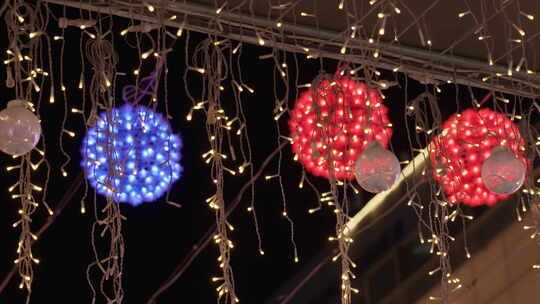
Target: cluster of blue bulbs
{"type": "Point", "coordinates": [140, 144]}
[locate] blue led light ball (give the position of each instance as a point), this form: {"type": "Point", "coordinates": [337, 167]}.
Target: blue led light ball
{"type": "Point", "coordinates": [144, 150]}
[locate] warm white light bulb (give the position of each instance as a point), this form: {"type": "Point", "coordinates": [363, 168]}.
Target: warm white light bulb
{"type": "Point", "coordinates": [377, 169]}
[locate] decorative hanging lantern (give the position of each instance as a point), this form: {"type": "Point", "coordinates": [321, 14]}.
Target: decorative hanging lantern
{"type": "Point", "coordinates": [503, 172]}
{"type": "Point", "coordinates": [377, 169]}
{"type": "Point", "coordinates": [143, 149]}
{"type": "Point", "coordinates": [19, 128]}
{"type": "Point", "coordinates": [460, 151]}
{"type": "Point", "coordinates": [332, 124]}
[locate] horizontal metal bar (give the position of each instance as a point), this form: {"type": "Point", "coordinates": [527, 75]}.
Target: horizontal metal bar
{"type": "Point", "coordinates": [401, 53]}
{"type": "Point", "coordinates": [451, 61]}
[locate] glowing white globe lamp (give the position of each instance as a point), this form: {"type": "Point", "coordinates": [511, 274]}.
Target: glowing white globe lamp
{"type": "Point", "coordinates": [19, 128]}
{"type": "Point", "coordinates": [377, 169]}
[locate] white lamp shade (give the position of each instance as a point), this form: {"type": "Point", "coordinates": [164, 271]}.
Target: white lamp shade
{"type": "Point", "coordinates": [377, 169]}
{"type": "Point", "coordinates": [19, 129]}
{"type": "Point", "coordinates": [503, 172]}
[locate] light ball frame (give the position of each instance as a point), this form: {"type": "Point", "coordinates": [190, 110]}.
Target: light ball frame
{"type": "Point", "coordinates": [336, 125]}
{"type": "Point", "coordinates": [146, 152]}
{"type": "Point", "coordinates": [458, 153]}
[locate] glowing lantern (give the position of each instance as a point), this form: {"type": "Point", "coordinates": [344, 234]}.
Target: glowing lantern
{"type": "Point", "coordinates": [143, 149]}
{"type": "Point", "coordinates": [19, 128]}
{"type": "Point", "coordinates": [377, 169]}
{"type": "Point", "coordinates": [503, 172]}
{"type": "Point", "coordinates": [331, 129]}
{"type": "Point", "coordinates": [465, 143]}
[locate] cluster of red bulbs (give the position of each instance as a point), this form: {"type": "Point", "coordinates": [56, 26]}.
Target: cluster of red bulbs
{"type": "Point", "coordinates": [331, 129]}
{"type": "Point", "coordinates": [466, 142]}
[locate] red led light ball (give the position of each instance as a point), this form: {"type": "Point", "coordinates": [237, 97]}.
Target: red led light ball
{"type": "Point", "coordinates": [466, 142]}
{"type": "Point", "coordinates": [331, 130]}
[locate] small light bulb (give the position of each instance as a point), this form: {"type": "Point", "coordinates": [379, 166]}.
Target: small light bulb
{"type": "Point", "coordinates": [147, 54]}
{"type": "Point", "coordinates": [70, 133]}
{"type": "Point", "coordinates": [528, 16]}
{"type": "Point", "coordinates": [463, 14]}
